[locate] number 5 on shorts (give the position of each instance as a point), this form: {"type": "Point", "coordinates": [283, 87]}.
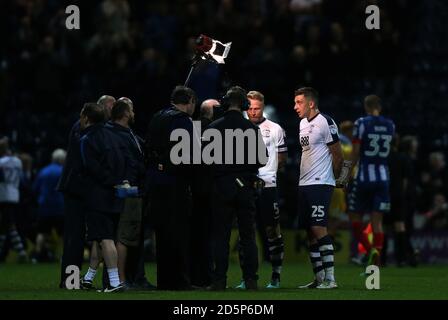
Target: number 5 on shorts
{"type": "Point", "coordinates": [318, 211]}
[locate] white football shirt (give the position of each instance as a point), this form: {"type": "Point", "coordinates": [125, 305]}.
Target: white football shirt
{"type": "Point", "coordinates": [274, 139]}
{"type": "Point", "coordinates": [316, 163]}
{"type": "Point", "coordinates": [10, 173]}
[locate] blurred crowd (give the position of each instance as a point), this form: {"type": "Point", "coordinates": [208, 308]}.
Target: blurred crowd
{"type": "Point", "coordinates": [142, 49]}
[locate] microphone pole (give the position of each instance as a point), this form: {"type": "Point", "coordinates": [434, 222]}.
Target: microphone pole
{"type": "Point", "coordinates": [195, 61]}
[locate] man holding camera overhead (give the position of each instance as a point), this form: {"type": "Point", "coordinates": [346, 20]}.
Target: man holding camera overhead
{"type": "Point", "coordinates": [234, 188]}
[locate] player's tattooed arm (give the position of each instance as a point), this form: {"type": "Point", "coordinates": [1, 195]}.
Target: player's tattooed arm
{"type": "Point", "coordinates": [354, 156]}
{"type": "Point", "coordinates": [338, 159]}
{"type": "Point", "coordinates": [344, 177]}
{"type": "Point", "coordinates": [282, 157]}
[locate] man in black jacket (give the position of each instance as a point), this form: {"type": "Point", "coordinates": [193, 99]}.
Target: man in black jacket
{"type": "Point", "coordinates": [71, 185]}
{"type": "Point", "coordinates": [234, 189]}
{"type": "Point", "coordinates": [104, 164]}
{"type": "Point", "coordinates": [169, 191]}
{"type": "Point", "coordinates": [201, 262]}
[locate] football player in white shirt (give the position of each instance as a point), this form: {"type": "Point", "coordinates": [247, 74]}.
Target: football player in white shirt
{"type": "Point", "coordinates": [267, 203]}
{"type": "Point", "coordinates": [10, 174]}
{"type": "Point", "coordinates": [321, 162]}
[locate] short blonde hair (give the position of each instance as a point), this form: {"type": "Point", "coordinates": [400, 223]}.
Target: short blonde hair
{"type": "Point", "coordinates": [256, 95]}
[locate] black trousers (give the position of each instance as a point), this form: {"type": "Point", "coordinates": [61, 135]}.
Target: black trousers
{"type": "Point", "coordinates": [201, 262]}
{"type": "Point", "coordinates": [230, 200]}
{"type": "Point", "coordinates": [135, 262]}
{"type": "Point", "coordinates": [74, 234]}
{"type": "Point", "coordinates": [170, 213]}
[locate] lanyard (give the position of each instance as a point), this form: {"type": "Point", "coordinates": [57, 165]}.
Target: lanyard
{"type": "Point", "coordinates": [136, 141]}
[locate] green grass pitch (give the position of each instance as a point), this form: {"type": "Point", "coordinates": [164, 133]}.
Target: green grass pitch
{"type": "Point", "coordinates": [26, 281]}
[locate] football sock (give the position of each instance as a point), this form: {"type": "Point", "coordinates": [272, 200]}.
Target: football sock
{"type": "Point", "coordinates": [378, 240]}
{"type": "Point", "coordinates": [360, 236]}
{"type": "Point", "coordinates": [327, 254]}
{"type": "Point", "coordinates": [2, 242]}
{"type": "Point", "coordinates": [276, 254]}
{"type": "Point", "coordinates": [16, 242]}
{"type": "Point", "coordinates": [316, 262]}
{"type": "Point", "coordinates": [114, 279]}
{"type": "Point", "coordinates": [90, 275]}
{"type": "Point", "coordinates": [409, 249]}
{"type": "Point", "coordinates": [400, 246]}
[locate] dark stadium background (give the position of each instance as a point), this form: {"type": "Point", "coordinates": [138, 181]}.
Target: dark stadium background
{"type": "Point", "coordinates": [143, 49]}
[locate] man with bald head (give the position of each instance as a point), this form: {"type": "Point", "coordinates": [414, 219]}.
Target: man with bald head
{"type": "Point", "coordinates": [107, 102]}
{"type": "Point", "coordinates": [121, 120]}
{"type": "Point", "coordinates": [127, 100]}
{"type": "Point", "coordinates": [201, 261]}
{"type": "Point", "coordinates": [207, 111]}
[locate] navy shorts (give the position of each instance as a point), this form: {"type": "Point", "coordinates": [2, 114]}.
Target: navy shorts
{"type": "Point", "coordinates": [7, 214]}
{"type": "Point", "coordinates": [102, 225]}
{"type": "Point", "coordinates": [46, 224]}
{"type": "Point", "coordinates": [369, 197]}
{"type": "Point", "coordinates": [268, 210]}
{"type": "Point", "coordinates": [314, 202]}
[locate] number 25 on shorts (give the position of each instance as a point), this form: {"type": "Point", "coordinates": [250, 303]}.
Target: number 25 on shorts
{"type": "Point", "coordinates": [318, 211]}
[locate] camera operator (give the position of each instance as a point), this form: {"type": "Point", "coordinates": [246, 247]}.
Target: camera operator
{"type": "Point", "coordinates": [234, 191]}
